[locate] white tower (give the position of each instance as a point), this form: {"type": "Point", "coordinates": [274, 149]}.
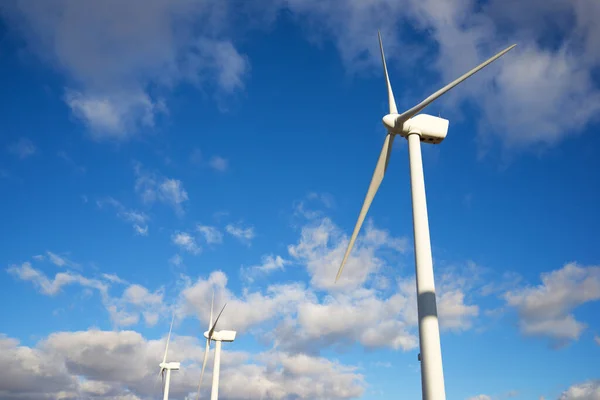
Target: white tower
{"type": "Point", "coordinates": [416, 129]}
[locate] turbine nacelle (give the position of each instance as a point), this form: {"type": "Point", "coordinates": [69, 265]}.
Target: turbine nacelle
{"type": "Point", "coordinates": [169, 365]}
{"type": "Point", "coordinates": [222, 336]}
{"type": "Point", "coordinates": [430, 129]}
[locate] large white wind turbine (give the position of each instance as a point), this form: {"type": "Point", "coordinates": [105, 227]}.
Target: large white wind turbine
{"type": "Point", "coordinates": [167, 366]}
{"type": "Point", "coordinates": [416, 129]}
{"type": "Point", "coordinates": [218, 337]}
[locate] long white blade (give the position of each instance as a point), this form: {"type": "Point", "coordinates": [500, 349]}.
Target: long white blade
{"type": "Point", "coordinates": [380, 169]}
{"type": "Point", "coordinates": [203, 366]}
{"type": "Point", "coordinates": [216, 320]}
{"type": "Point", "coordinates": [411, 112]}
{"type": "Point", "coordinates": [168, 339]}
{"type": "Point", "coordinates": [391, 100]}
{"type": "Point", "coordinates": [212, 302]}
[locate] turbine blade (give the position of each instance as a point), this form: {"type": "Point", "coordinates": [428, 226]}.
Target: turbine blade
{"type": "Point", "coordinates": [411, 112]}
{"type": "Point", "coordinates": [203, 366]}
{"type": "Point", "coordinates": [380, 169]}
{"type": "Point", "coordinates": [391, 100]}
{"type": "Point", "coordinates": [212, 302]}
{"type": "Point", "coordinates": [216, 320]}
{"type": "Point", "coordinates": [169, 338]}
{"type": "Point", "coordinates": [157, 378]}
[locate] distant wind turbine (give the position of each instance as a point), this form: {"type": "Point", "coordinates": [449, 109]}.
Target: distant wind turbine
{"type": "Point", "coordinates": [167, 366]}
{"type": "Point", "coordinates": [416, 129]}
{"type": "Point", "coordinates": [218, 337]}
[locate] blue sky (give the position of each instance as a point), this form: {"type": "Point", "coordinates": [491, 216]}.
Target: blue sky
{"type": "Point", "coordinates": [153, 152]}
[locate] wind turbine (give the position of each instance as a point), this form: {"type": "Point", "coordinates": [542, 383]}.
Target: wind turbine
{"type": "Point", "coordinates": [416, 129]}
{"type": "Point", "coordinates": [167, 366]}
{"type": "Point", "coordinates": [218, 337]}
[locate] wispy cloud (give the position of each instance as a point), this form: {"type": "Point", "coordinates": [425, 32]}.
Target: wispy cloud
{"type": "Point", "coordinates": [126, 310]}
{"type": "Point", "coordinates": [210, 234]}
{"type": "Point", "coordinates": [78, 168]}
{"type": "Point", "coordinates": [269, 263]}
{"type": "Point", "coordinates": [155, 187]}
{"type": "Point", "coordinates": [244, 233]}
{"type": "Point", "coordinates": [61, 261]}
{"type": "Point", "coordinates": [110, 70]}
{"type": "Point", "coordinates": [22, 148]}
{"type": "Point", "coordinates": [186, 242]}
{"type": "Point", "coordinates": [138, 219]}
{"type": "Point", "coordinates": [218, 163]}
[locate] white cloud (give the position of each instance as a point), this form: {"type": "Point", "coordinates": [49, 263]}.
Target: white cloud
{"type": "Point", "coordinates": [269, 263]}
{"type": "Point", "coordinates": [597, 340]}
{"type": "Point", "coordinates": [218, 163]}
{"type": "Point", "coordinates": [49, 287]}
{"type": "Point", "coordinates": [480, 397]}
{"type": "Point", "coordinates": [176, 260]}
{"type": "Point", "coordinates": [136, 300]}
{"type": "Point", "coordinates": [243, 312]}
{"type": "Point", "coordinates": [186, 242]}
{"type": "Point", "coordinates": [589, 390]}
{"type": "Point", "coordinates": [78, 168]}
{"type": "Point", "coordinates": [118, 57]}
{"type": "Point", "coordinates": [322, 246]}
{"type": "Point", "coordinates": [298, 321]}
{"type": "Point", "coordinates": [22, 148]}
{"type": "Point", "coordinates": [210, 234]}
{"type": "Point", "coordinates": [126, 49]}
{"type": "Point", "coordinates": [114, 116]}
{"type": "Point", "coordinates": [61, 261]}
{"type": "Point", "coordinates": [124, 364]}
{"type": "Point", "coordinates": [547, 309]}
{"type": "Point", "coordinates": [113, 278]}
{"type": "Point", "coordinates": [138, 219]}
{"type": "Point", "coordinates": [244, 234]}
{"type": "Point", "coordinates": [518, 95]}
{"type": "Point", "coordinates": [154, 187]}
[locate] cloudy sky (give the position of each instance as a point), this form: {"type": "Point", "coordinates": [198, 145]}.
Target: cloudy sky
{"type": "Point", "coordinates": [153, 151]}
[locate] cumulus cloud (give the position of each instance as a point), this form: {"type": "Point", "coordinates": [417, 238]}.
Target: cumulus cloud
{"type": "Point", "coordinates": [589, 390]}
{"type": "Point", "coordinates": [22, 148]}
{"type": "Point", "coordinates": [124, 364]}
{"type": "Point", "coordinates": [295, 321]}
{"type": "Point", "coordinates": [322, 246]}
{"type": "Point", "coordinates": [118, 58]}
{"type": "Point", "coordinates": [299, 320]}
{"type": "Point", "coordinates": [547, 309]}
{"type": "Point", "coordinates": [243, 312]}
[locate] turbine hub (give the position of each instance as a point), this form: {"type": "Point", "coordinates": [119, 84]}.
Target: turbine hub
{"type": "Point", "coordinates": [390, 122]}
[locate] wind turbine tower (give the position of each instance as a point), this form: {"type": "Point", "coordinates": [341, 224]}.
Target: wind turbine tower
{"type": "Point", "coordinates": [167, 366]}
{"type": "Point", "coordinates": [218, 337]}
{"type": "Point", "coordinates": [417, 128]}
